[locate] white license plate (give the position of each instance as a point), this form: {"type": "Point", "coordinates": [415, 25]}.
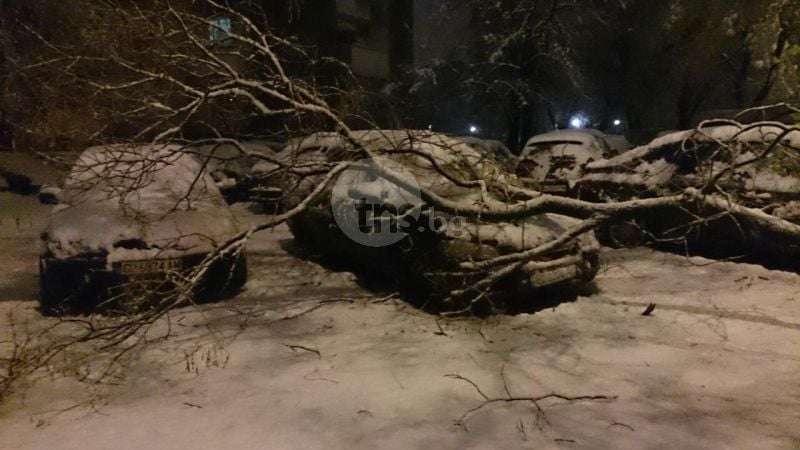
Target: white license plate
{"type": "Point", "coordinates": [151, 266]}
{"type": "Point", "coordinates": [555, 188]}
{"type": "Point", "coordinates": [545, 277]}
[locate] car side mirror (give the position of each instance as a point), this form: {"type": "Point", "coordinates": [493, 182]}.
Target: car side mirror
{"type": "Point", "coordinates": [49, 195]}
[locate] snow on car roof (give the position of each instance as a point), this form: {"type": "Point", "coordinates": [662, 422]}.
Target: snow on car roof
{"type": "Point", "coordinates": [314, 141]}
{"type": "Point", "coordinates": [323, 141]}
{"type": "Point", "coordinates": [156, 194]}
{"type": "Point", "coordinates": [493, 146]}
{"type": "Point", "coordinates": [443, 147]}
{"type": "Point", "coordinates": [145, 176]}
{"type": "Point", "coordinates": [414, 149]}
{"type": "Point", "coordinates": [585, 137]}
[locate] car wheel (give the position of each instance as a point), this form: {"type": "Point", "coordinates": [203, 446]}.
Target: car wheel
{"type": "Point", "coordinates": [59, 290]}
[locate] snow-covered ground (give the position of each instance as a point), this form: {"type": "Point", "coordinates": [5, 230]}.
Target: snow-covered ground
{"type": "Point", "coordinates": [322, 363]}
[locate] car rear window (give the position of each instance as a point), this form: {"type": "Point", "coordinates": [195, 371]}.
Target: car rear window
{"type": "Point", "coordinates": [559, 148]}
{"type": "Point", "coordinates": [540, 146]}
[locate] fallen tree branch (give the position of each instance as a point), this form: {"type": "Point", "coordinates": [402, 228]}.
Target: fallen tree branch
{"type": "Point", "coordinates": [295, 347]}
{"type": "Point", "coordinates": [462, 421]}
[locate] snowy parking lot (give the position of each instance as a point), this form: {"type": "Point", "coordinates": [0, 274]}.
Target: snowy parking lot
{"type": "Point", "coordinates": [404, 224]}
{"type": "Point", "coordinates": [306, 358]}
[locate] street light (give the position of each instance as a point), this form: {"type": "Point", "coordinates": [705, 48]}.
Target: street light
{"type": "Point", "coordinates": [578, 121]}
{"type": "Point", "coordinates": [473, 129]}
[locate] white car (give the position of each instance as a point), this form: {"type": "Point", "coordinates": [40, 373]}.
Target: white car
{"type": "Point", "coordinates": [134, 215]}
{"type": "Point", "coordinates": [555, 161]}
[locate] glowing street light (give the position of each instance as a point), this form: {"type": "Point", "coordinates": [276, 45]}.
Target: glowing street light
{"type": "Point", "coordinates": [617, 122]}
{"type": "Point", "coordinates": [578, 121]}
{"type": "Point", "coordinates": [473, 129]}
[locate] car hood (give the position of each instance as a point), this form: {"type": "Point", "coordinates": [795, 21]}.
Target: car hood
{"type": "Point", "coordinates": [104, 228]}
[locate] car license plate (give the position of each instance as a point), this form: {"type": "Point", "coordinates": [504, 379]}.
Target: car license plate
{"type": "Point", "coordinates": [555, 188]}
{"type": "Point", "coordinates": [151, 266]}
{"type": "Point", "coordinates": [545, 277]}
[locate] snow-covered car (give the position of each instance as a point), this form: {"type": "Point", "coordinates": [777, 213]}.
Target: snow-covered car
{"type": "Point", "coordinates": [135, 216]}
{"type": "Point", "coordinates": [755, 165]}
{"type": "Point", "coordinates": [554, 161]}
{"type": "Point", "coordinates": [426, 263]}
{"type": "Point", "coordinates": [492, 148]}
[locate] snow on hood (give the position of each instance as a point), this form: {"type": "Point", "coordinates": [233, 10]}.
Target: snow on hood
{"type": "Point", "coordinates": [157, 196]}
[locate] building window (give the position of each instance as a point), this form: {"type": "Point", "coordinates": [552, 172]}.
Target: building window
{"type": "Point", "coordinates": [219, 29]}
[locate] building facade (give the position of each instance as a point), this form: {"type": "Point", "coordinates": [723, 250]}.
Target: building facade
{"type": "Point", "coordinates": [374, 37]}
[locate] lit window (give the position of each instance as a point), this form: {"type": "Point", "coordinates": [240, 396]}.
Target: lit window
{"type": "Point", "coordinates": [219, 28]}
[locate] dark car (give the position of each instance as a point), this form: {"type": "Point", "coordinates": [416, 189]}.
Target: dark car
{"type": "Point", "coordinates": [426, 263]}
{"type": "Point", "coordinates": [729, 154]}
{"type": "Point", "coordinates": [131, 220]}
